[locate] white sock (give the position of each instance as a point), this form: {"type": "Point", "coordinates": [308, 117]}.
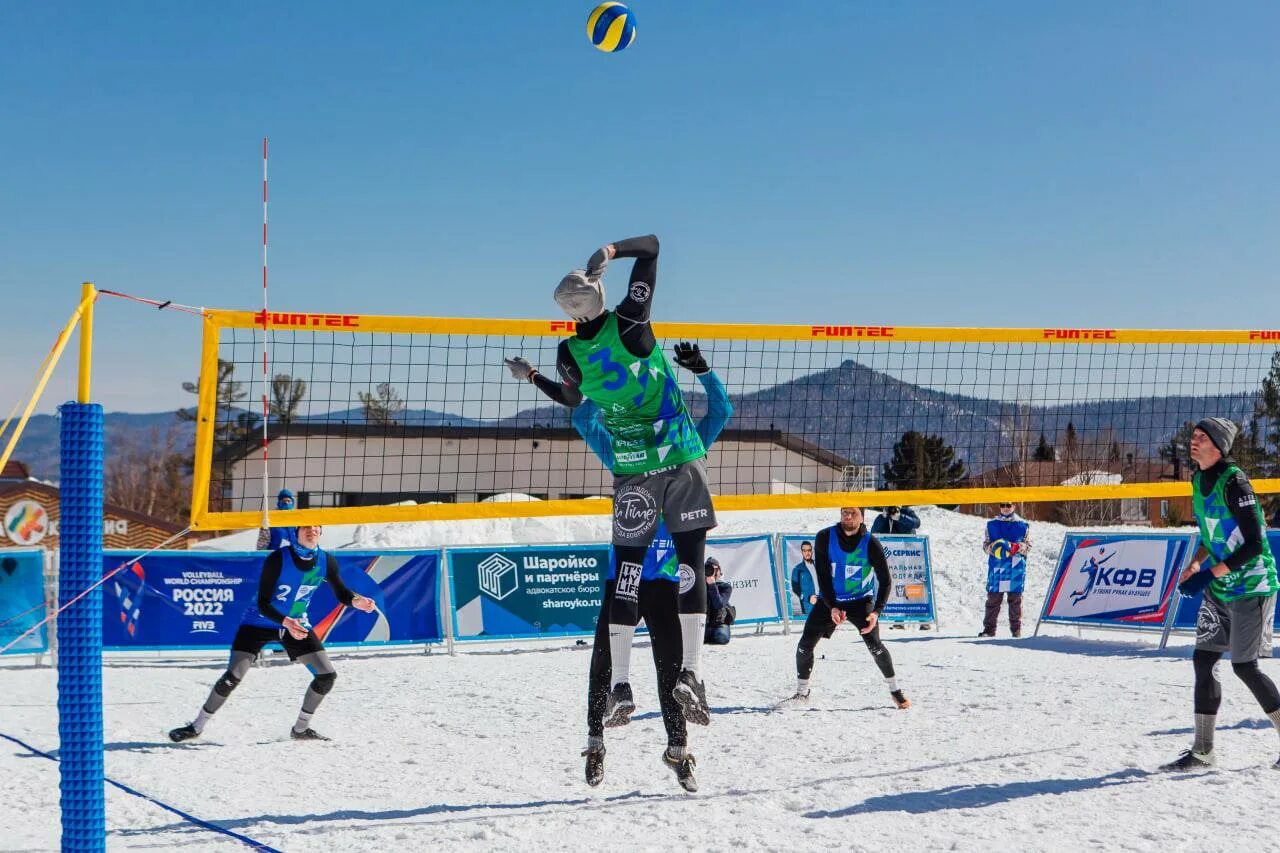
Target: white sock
{"type": "Point", "coordinates": [201, 719]}
{"type": "Point", "coordinates": [620, 637]}
{"type": "Point", "coordinates": [802, 687]}
{"type": "Point", "coordinates": [893, 684]}
{"type": "Point", "coordinates": [692, 627]}
{"type": "Point", "coordinates": [304, 720]}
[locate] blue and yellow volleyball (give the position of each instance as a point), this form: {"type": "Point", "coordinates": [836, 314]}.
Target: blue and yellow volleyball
{"type": "Point", "coordinates": [611, 27]}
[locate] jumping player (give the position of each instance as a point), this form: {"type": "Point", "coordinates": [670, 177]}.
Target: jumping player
{"type": "Point", "coordinates": [853, 586]}
{"type": "Point", "coordinates": [610, 702]}
{"type": "Point", "coordinates": [1237, 571]}
{"type": "Point", "coordinates": [290, 575]}
{"type": "Point", "coordinates": [659, 467]}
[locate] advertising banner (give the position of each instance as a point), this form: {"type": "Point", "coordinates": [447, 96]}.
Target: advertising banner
{"type": "Point", "coordinates": [1117, 579]}
{"type": "Point", "coordinates": [747, 564]}
{"type": "Point", "coordinates": [1189, 608]}
{"type": "Point", "coordinates": [911, 598]}
{"type": "Point", "coordinates": [22, 603]}
{"type": "Point", "coordinates": [194, 600]}
{"type": "Point", "coordinates": [539, 591]}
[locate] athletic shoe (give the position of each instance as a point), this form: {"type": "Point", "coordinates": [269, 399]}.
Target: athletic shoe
{"type": "Point", "coordinates": [619, 706]}
{"type": "Point", "coordinates": [1276, 766]}
{"type": "Point", "coordinates": [691, 694]}
{"type": "Point", "coordinates": [182, 733]}
{"type": "Point", "coordinates": [683, 768]}
{"type": "Point", "coordinates": [1190, 760]}
{"type": "Point", "coordinates": [796, 700]}
{"type": "Point", "coordinates": [306, 734]}
{"type": "Point", "coordinates": [897, 626]}
{"type": "Point", "coordinates": [985, 634]}
{"type": "Point", "coordinates": [925, 626]}
{"type": "Point", "coordinates": [595, 765]}
{"type": "Point", "coordinates": [901, 700]}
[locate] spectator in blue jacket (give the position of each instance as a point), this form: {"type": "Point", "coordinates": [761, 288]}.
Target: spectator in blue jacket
{"type": "Point", "coordinates": [1008, 539]}
{"type": "Point", "coordinates": [720, 614]}
{"type": "Point", "coordinates": [804, 579]}
{"type": "Point", "coordinates": [271, 538]}
{"type": "Point", "coordinates": [896, 519]}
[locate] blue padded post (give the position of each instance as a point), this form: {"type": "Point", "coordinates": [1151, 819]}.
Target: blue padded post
{"type": "Point", "coordinates": [84, 824]}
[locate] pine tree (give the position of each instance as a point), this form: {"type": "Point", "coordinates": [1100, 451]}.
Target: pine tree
{"type": "Point", "coordinates": [923, 462]}
{"type": "Point", "coordinates": [286, 395]}
{"type": "Point", "coordinates": [1043, 452]}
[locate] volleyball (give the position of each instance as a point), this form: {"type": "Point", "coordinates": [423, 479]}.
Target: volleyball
{"type": "Point", "coordinates": [611, 27]}
{"type": "Point", "coordinates": [1000, 549]}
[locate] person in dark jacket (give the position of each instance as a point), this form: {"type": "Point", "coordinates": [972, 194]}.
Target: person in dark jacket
{"type": "Point", "coordinates": [804, 580]}
{"type": "Point", "coordinates": [720, 613]}
{"type": "Point", "coordinates": [853, 586]}
{"type": "Point", "coordinates": [896, 519]}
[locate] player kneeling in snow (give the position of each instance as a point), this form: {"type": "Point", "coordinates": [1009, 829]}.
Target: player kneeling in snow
{"type": "Point", "coordinates": [289, 578]}
{"type": "Point", "coordinates": [853, 586]}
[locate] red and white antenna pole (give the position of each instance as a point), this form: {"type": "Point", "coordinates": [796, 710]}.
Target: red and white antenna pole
{"type": "Point", "coordinates": [266, 375]}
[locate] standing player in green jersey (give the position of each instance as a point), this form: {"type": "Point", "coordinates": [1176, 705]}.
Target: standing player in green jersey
{"type": "Point", "coordinates": [1235, 568]}
{"type": "Point", "coordinates": [659, 470]}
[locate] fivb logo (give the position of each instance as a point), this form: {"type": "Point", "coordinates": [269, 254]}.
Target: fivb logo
{"type": "Point", "coordinates": [497, 576]}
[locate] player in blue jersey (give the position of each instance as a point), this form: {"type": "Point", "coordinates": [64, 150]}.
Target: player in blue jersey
{"type": "Point", "coordinates": [661, 594]}
{"type": "Point", "coordinates": [853, 586]}
{"type": "Point", "coordinates": [290, 576]}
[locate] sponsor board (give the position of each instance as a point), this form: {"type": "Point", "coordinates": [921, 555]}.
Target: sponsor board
{"type": "Point", "coordinates": [1117, 579]}
{"type": "Point", "coordinates": [22, 601]}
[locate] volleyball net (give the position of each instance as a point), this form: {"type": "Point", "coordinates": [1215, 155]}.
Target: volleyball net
{"type": "Point", "coordinates": [383, 418]}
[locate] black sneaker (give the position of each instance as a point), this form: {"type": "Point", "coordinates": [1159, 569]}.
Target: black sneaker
{"type": "Point", "coordinates": [182, 733]}
{"type": "Point", "coordinates": [306, 734]}
{"type": "Point", "coordinates": [683, 768]}
{"type": "Point", "coordinates": [1276, 766]}
{"type": "Point", "coordinates": [1190, 760]}
{"type": "Point", "coordinates": [619, 706]}
{"type": "Point", "coordinates": [986, 634]}
{"type": "Point", "coordinates": [691, 694]}
{"type": "Point", "coordinates": [900, 699]}
{"type": "Point", "coordinates": [595, 765]}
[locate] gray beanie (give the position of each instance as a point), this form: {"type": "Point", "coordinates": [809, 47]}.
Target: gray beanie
{"type": "Point", "coordinates": [580, 296]}
{"type": "Point", "coordinates": [1221, 431]}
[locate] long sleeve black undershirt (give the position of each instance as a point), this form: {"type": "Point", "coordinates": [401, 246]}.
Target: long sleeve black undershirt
{"type": "Point", "coordinates": [271, 567]}
{"type": "Point", "coordinates": [633, 321]}
{"type": "Point", "coordinates": [1243, 504]}
{"type": "Point", "coordinates": [848, 543]}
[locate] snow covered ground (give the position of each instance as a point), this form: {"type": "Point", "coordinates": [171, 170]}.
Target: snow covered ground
{"type": "Point", "coordinates": [1044, 743]}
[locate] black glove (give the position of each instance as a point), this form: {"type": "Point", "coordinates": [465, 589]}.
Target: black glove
{"type": "Point", "coordinates": [690, 357]}
{"type": "Point", "coordinates": [1196, 583]}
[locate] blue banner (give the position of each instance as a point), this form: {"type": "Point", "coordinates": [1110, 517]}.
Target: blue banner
{"type": "Point", "coordinates": [539, 591]}
{"type": "Point", "coordinates": [22, 603]}
{"type": "Point", "coordinates": [1121, 580]}
{"type": "Point", "coordinates": [910, 566]}
{"type": "Point", "coordinates": [195, 599]}
{"type": "Point", "coordinates": [1189, 608]}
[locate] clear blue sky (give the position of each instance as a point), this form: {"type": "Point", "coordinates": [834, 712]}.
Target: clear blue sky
{"type": "Point", "coordinates": [978, 163]}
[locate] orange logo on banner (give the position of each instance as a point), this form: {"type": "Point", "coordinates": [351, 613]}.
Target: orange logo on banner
{"type": "Point", "coordinates": [26, 522]}
{"type": "Point", "coordinates": [1080, 334]}
{"type": "Point", "coordinates": [563, 326]}
{"type": "Point", "coordinates": [329, 321]}
{"type": "Point", "coordinates": [851, 331]}
{"type": "Point", "coordinates": [1264, 335]}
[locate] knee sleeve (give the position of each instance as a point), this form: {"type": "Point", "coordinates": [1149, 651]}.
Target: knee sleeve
{"type": "Point", "coordinates": [1208, 691]}
{"type": "Point", "coordinates": [224, 685]}
{"type": "Point", "coordinates": [323, 683]}
{"type": "Point", "coordinates": [1262, 687]}
{"type": "Point", "coordinates": [691, 549]}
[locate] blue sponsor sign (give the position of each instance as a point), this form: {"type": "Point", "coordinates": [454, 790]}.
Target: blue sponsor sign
{"type": "Point", "coordinates": [195, 600]}
{"type": "Point", "coordinates": [910, 600]}
{"type": "Point", "coordinates": [1118, 580]}
{"type": "Point", "coordinates": [22, 603]}
{"type": "Point", "coordinates": [539, 591]}
{"type": "Point", "coordinates": [1189, 608]}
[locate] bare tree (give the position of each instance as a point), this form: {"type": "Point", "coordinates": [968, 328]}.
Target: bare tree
{"type": "Point", "coordinates": [382, 407]}
{"type": "Point", "coordinates": [150, 475]}
{"type": "Point", "coordinates": [286, 395]}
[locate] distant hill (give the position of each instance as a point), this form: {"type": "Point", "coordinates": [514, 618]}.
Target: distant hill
{"type": "Point", "coordinates": [38, 447]}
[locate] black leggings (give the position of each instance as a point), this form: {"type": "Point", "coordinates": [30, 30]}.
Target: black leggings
{"type": "Point", "coordinates": [819, 626]}
{"type": "Point", "coordinates": [691, 548]}
{"type": "Point", "coordinates": [1208, 692]}
{"type": "Point", "coordinates": [657, 605]}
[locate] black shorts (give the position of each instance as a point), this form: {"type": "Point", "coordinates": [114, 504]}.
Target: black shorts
{"type": "Point", "coordinates": [819, 622]}
{"type": "Point", "coordinates": [252, 638]}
